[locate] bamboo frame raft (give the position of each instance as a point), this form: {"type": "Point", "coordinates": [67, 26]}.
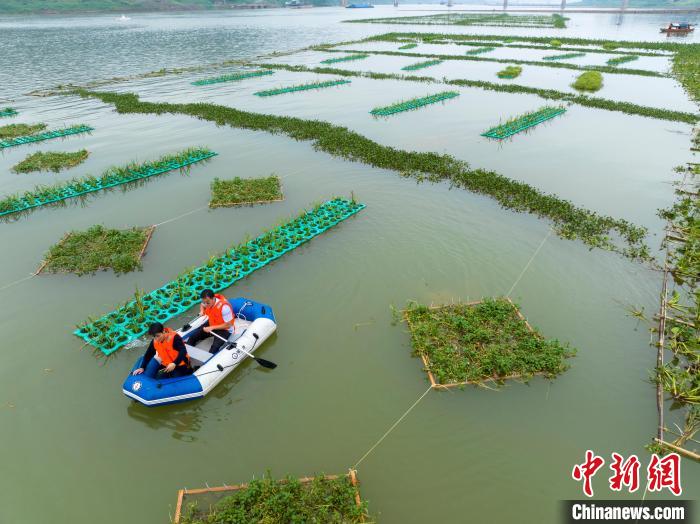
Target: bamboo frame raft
{"type": "Point", "coordinates": [414, 103]}
{"type": "Point", "coordinates": [523, 122]}
{"type": "Point", "coordinates": [427, 364]}
{"type": "Point", "coordinates": [56, 133]}
{"type": "Point", "coordinates": [8, 111]}
{"type": "Point", "coordinates": [233, 77]}
{"type": "Point", "coordinates": [421, 65]}
{"type": "Point", "coordinates": [348, 58]}
{"type": "Point", "coordinates": [565, 56]}
{"type": "Point", "coordinates": [225, 490]}
{"type": "Point", "coordinates": [130, 321]}
{"type": "Point", "coordinates": [303, 87]}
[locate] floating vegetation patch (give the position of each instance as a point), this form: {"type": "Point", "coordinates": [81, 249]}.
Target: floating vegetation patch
{"type": "Point", "coordinates": [17, 130]}
{"type": "Point", "coordinates": [98, 249]}
{"type": "Point", "coordinates": [45, 195]}
{"type": "Point", "coordinates": [414, 103]}
{"type": "Point", "coordinates": [481, 341]}
{"type": "Point", "coordinates": [523, 122]}
{"type": "Point", "coordinates": [321, 499]}
{"type": "Point", "coordinates": [409, 46]}
{"type": "Point", "coordinates": [621, 60]}
{"type": "Point", "coordinates": [233, 77]}
{"type": "Point", "coordinates": [686, 69]}
{"type": "Point", "coordinates": [303, 87]}
{"type": "Point", "coordinates": [245, 191]}
{"type": "Point", "coordinates": [565, 56]}
{"type": "Point", "coordinates": [348, 58]}
{"type": "Point", "coordinates": [421, 65]}
{"type": "Point", "coordinates": [589, 81]}
{"type": "Point", "coordinates": [480, 50]}
{"type": "Point", "coordinates": [127, 323]}
{"type": "Point", "coordinates": [51, 161]}
{"type": "Point", "coordinates": [492, 20]}
{"type": "Point", "coordinates": [510, 72]}
{"type": "Point", "coordinates": [57, 133]}
{"type": "Point", "coordinates": [569, 220]}
{"type": "Point", "coordinates": [8, 111]}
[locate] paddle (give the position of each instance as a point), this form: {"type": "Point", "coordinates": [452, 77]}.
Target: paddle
{"type": "Point", "coordinates": [264, 363]}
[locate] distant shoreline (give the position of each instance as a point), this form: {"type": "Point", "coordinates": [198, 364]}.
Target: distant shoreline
{"type": "Point", "coordinates": [135, 10]}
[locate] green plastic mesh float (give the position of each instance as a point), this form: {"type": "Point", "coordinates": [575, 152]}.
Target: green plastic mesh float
{"type": "Point", "coordinates": [127, 323]}
{"type": "Point", "coordinates": [409, 46]}
{"type": "Point", "coordinates": [303, 87]}
{"type": "Point", "coordinates": [414, 103]}
{"type": "Point", "coordinates": [480, 50]}
{"type": "Point", "coordinates": [621, 60]}
{"type": "Point", "coordinates": [232, 77]}
{"type": "Point", "coordinates": [56, 133]}
{"type": "Point", "coordinates": [521, 123]}
{"type": "Point", "coordinates": [348, 58]}
{"type": "Point", "coordinates": [565, 56]}
{"type": "Point", "coordinates": [421, 65]}
{"type": "Point", "coordinates": [8, 111]}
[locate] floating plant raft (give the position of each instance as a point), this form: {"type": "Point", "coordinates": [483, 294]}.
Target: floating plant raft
{"type": "Point", "coordinates": [44, 195]}
{"type": "Point", "coordinates": [97, 249]}
{"type": "Point", "coordinates": [409, 46]}
{"type": "Point", "coordinates": [8, 111]}
{"type": "Point", "coordinates": [245, 191]}
{"type": "Point", "coordinates": [489, 340]}
{"type": "Point", "coordinates": [325, 498]}
{"type": "Point", "coordinates": [56, 133]}
{"type": "Point", "coordinates": [421, 65]}
{"type": "Point", "coordinates": [51, 161]}
{"type": "Point", "coordinates": [565, 56]}
{"type": "Point", "coordinates": [521, 123]}
{"type": "Point", "coordinates": [348, 58]}
{"type": "Point", "coordinates": [414, 103]}
{"type": "Point", "coordinates": [480, 50]}
{"type": "Point", "coordinates": [232, 77]}
{"type": "Point", "coordinates": [511, 71]}
{"type": "Point", "coordinates": [127, 323]}
{"type": "Point", "coordinates": [302, 87]}
{"type": "Point", "coordinates": [621, 60]}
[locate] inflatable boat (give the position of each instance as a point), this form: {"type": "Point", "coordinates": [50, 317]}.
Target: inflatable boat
{"type": "Point", "coordinates": [254, 323]}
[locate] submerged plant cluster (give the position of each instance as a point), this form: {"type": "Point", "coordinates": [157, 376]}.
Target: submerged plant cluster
{"type": "Point", "coordinates": [98, 248]}
{"type": "Point", "coordinates": [38, 137]}
{"type": "Point", "coordinates": [50, 161]}
{"type": "Point", "coordinates": [8, 111]}
{"type": "Point", "coordinates": [244, 191]}
{"type": "Point", "coordinates": [565, 56]}
{"type": "Point", "coordinates": [510, 72]}
{"type": "Point", "coordinates": [523, 122]}
{"type": "Point", "coordinates": [622, 60]}
{"type": "Point", "coordinates": [348, 58]}
{"type": "Point", "coordinates": [421, 65]}
{"type": "Point", "coordinates": [589, 81]}
{"type": "Point", "coordinates": [302, 87]}
{"type": "Point", "coordinates": [327, 500]}
{"type": "Point", "coordinates": [489, 340]}
{"type": "Point", "coordinates": [130, 321]}
{"type": "Point", "coordinates": [492, 20]}
{"type": "Point", "coordinates": [77, 187]}
{"type": "Point", "coordinates": [233, 77]}
{"type": "Point", "coordinates": [569, 221]}
{"type": "Point", "coordinates": [414, 103]}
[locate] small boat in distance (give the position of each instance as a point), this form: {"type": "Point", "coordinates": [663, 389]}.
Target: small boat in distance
{"type": "Point", "coordinates": [364, 5]}
{"type": "Point", "coordinates": [681, 28]}
{"type": "Point", "coordinates": [124, 18]}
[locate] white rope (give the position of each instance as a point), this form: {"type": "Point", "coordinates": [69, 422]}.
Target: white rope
{"type": "Point", "coordinates": [392, 427]}
{"type": "Point", "coordinates": [180, 216]}
{"type": "Point", "coordinates": [17, 282]}
{"type": "Point", "coordinates": [517, 280]}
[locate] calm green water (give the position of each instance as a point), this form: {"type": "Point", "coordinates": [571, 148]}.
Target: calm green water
{"type": "Point", "coordinates": [74, 450]}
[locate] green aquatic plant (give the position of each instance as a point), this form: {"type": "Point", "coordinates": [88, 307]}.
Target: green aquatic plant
{"type": "Point", "coordinates": [523, 122]}
{"type": "Point", "coordinates": [8, 111]}
{"type": "Point", "coordinates": [569, 221]}
{"type": "Point", "coordinates": [16, 130]}
{"type": "Point", "coordinates": [421, 65]}
{"type": "Point", "coordinates": [409, 46]}
{"type": "Point", "coordinates": [588, 81]}
{"type": "Point", "coordinates": [555, 43]}
{"type": "Point", "coordinates": [37, 137]}
{"type": "Point", "coordinates": [51, 161]}
{"type": "Point", "coordinates": [480, 50]}
{"type": "Point", "coordinates": [510, 72]}
{"type": "Point", "coordinates": [609, 46]}
{"type": "Point", "coordinates": [348, 58]}
{"type": "Point", "coordinates": [621, 60]}
{"type": "Point", "coordinates": [469, 19]}
{"type": "Point", "coordinates": [242, 191]}
{"type": "Point", "coordinates": [565, 56]}
{"type": "Point", "coordinates": [302, 87]}
{"type": "Point", "coordinates": [233, 77]}
{"type": "Point", "coordinates": [488, 340]}
{"type": "Point", "coordinates": [414, 103]}
{"type": "Point", "coordinates": [98, 248]}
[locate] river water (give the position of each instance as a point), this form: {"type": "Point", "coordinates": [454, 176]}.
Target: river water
{"type": "Point", "coordinates": [74, 450]}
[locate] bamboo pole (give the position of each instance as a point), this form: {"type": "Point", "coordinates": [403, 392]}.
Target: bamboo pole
{"type": "Point", "coordinates": [660, 352]}
{"type": "Point", "coordinates": [681, 451]}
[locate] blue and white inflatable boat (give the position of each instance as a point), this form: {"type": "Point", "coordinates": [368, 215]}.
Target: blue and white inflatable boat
{"type": "Point", "coordinates": [254, 324]}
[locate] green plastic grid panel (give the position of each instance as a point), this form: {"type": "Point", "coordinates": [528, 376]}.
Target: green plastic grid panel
{"type": "Point", "coordinates": [621, 60]}
{"type": "Point", "coordinates": [303, 87]}
{"type": "Point", "coordinates": [480, 50]}
{"type": "Point", "coordinates": [348, 58]}
{"type": "Point", "coordinates": [180, 295]}
{"type": "Point", "coordinates": [8, 111]}
{"type": "Point", "coordinates": [233, 77]}
{"type": "Point", "coordinates": [413, 104]}
{"type": "Point", "coordinates": [523, 123]}
{"type": "Point", "coordinates": [409, 46]}
{"type": "Point", "coordinates": [81, 187]}
{"type": "Point", "coordinates": [565, 56]}
{"type": "Point", "coordinates": [57, 133]}
{"type": "Point", "coordinates": [421, 65]}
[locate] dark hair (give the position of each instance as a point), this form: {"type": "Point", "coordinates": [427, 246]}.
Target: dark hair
{"type": "Point", "coordinates": [155, 329]}
{"type": "Point", "coordinates": [207, 293]}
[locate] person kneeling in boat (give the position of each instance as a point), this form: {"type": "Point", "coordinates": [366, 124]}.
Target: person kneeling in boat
{"type": "Point", "coordinates": [171, 350]}
{"type": "Point", "coordinates": [220, 320]}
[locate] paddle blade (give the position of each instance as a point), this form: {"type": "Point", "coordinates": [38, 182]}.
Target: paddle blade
{"type": "Point", "coordinates": [266, 363]}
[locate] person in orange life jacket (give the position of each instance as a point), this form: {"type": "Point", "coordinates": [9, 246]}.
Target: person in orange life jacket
{"type": "Point", "coordinates": [171, 350]}
{"type": "Point", "coordinates": [220, 320]}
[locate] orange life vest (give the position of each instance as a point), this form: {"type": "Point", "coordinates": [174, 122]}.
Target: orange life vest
{"type": "Point", "coordinates": [214, 313]}
{"type": "Point", "coordinates": [166, 351]}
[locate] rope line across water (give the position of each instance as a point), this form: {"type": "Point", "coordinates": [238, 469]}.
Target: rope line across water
{"type": "Point", "coordinates": [520, 276]}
